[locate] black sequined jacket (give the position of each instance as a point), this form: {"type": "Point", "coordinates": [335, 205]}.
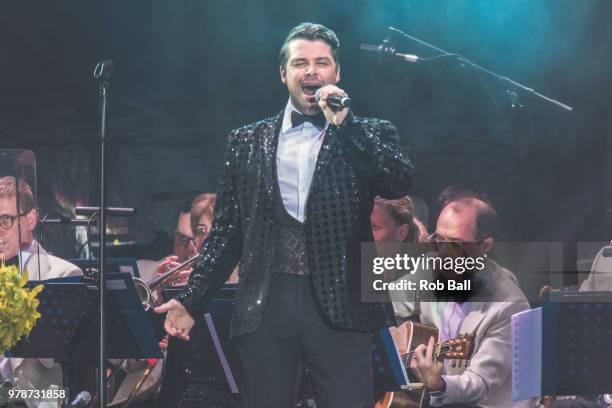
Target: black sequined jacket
{"type": "Point", "coordinates": [358, 160]}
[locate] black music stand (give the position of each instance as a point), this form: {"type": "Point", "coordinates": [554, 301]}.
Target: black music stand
{"type": "Point", "coordinates": [67, 330]}
{"type": "Point", "coordinates": [562, 347]}
{"type": "Point", "coordinates": [90, 266]}
{"type": "Point", "coordinates": [576, 340]}
{"type": "Point", "coordinates": [129, 331]}
{"type": "Point", "coordinates": [62, 308]}
{"type": "Point", "coordinates": [214, 323]}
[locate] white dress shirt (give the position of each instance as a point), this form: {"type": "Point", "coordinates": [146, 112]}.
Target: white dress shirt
{"type": "Point", "coordinates": [26, 253]}
{"type": "Point", "coordinates": [296, 158]}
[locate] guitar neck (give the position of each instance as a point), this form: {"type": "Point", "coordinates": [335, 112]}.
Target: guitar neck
{"type": "Point", "coordinates": [407, 358]}
{"type": "Point", "coordinates": [458, 348]}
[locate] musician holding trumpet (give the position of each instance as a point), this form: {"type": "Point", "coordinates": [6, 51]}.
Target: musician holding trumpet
{"type": "Point", "coordinates": [144, 378]}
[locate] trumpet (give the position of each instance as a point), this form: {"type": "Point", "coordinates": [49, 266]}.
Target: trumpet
{"type": "Point", "coordinates": [145, 289]}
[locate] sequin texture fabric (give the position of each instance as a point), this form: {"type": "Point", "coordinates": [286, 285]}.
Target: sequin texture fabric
{"type": "Point", "coordinates": [357, 161]}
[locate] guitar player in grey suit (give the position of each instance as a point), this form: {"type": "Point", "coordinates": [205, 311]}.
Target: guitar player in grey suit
{"type": "Point", "coordinates": [466, 227]}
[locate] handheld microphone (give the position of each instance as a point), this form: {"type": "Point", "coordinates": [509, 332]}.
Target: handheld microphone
{"type": "Point", "coordinates": [335, 102]}
{"type": "Point", "coordinates": [81, 400]}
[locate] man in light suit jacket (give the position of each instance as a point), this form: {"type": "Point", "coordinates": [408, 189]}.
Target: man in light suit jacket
{"type": "Point", "coordinates": [466, 227]}
{"type": "Point", "coordinates": [17, 244]}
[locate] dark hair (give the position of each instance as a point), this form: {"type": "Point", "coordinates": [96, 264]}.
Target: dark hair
{"type": "Point", "coordinates": [401, 211]}
{"type": "Point", "coordinates": [185, 207]}
{"type": "Point", "coordinates": [312, 32]}
{"type": "Point", "coordinates": [486, 217]}
{"type": "Point", "coordinates": [458, 191]}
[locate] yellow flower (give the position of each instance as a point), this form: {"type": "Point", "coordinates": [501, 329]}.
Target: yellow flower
{"type": "Point", "coordinates": [18, 314]}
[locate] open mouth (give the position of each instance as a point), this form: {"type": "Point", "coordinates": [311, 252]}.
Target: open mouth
{"type": "Point", "coordinates": [310, 89]}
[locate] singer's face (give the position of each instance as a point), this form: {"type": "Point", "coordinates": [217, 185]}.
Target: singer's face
{"type": "Point", "coordinates": [310, 66]}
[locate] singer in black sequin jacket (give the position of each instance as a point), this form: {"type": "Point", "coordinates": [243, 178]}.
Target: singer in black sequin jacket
{"type": "Point", "coordinates": [358, 160]}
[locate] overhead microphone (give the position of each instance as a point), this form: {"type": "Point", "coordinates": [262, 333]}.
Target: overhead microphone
{"type": "Point", "coordinates": [388, 51]}
{"type": "Point", "coordinates": [104, 69]}
{"type": "Point", "coordinates": [336, 102]}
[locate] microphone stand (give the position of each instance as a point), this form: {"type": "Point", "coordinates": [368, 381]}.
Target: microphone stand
{"type": "Point", "coordinates": [502, 78]}
{"type": "Point", "coordinates": [102, 73]}
{"type": "Point", "coordinates": [514, 102]}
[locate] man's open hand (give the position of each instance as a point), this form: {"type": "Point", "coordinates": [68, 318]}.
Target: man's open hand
{"type": "Point", "coordinates": [178, 320]}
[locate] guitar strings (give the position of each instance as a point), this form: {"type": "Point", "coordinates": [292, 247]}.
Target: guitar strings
{"type": "Point", "coordinates": [408, 356]}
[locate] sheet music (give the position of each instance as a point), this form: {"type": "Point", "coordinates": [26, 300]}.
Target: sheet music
{"type": "Point", "coordinates": [527, 354]}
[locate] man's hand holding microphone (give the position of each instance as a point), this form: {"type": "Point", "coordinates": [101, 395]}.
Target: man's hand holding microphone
{"type": "Point", "coordinates": [334, 103]}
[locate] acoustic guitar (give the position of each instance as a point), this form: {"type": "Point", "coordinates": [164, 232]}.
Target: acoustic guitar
{"type": "Point", "coordinates": [407, 338]}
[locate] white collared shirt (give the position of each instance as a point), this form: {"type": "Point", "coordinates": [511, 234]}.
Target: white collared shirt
{"type": "Point", "coordinates": [26, 253]}
{"type": "Point", "coordinates": [296, 158]}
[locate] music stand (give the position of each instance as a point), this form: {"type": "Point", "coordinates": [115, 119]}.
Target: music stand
{"type": "Point", "coordinates": [562, 347]}
{"type": "Point", "coordinates": [215, 321]}
{"type": "Point", "coordinates": [67, 330]}
{"type": "Point", "coordinates": [389, 371]}
{"type": "Point", "coordinates": [127, 265]}
{"type": "Point", "coordinates": [129, 330]}
{"type": "Point", "coordinates": [62, 308]}
{"type": "Point", "coordinates": [576, 339]}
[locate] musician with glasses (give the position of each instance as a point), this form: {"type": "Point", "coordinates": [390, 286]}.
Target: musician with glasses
{"type": "Point", "coordinates": [192, 375]}
{"type": "Point", "coordinates": [183, 246]}
{"type": "Point", "coordinates": [466, 227]}
{"type": "Point", "coordinates": [200, 219]}
{"type": "Point", "coordinates": [193, 225]}
{"type": "Point", "coordinates": [192, 229]}
{"type": "Point", "coordinates": [17, 244]}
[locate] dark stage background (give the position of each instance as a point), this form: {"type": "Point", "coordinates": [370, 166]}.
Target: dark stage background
{"type": "Point", "coordinates": [190, 71]}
